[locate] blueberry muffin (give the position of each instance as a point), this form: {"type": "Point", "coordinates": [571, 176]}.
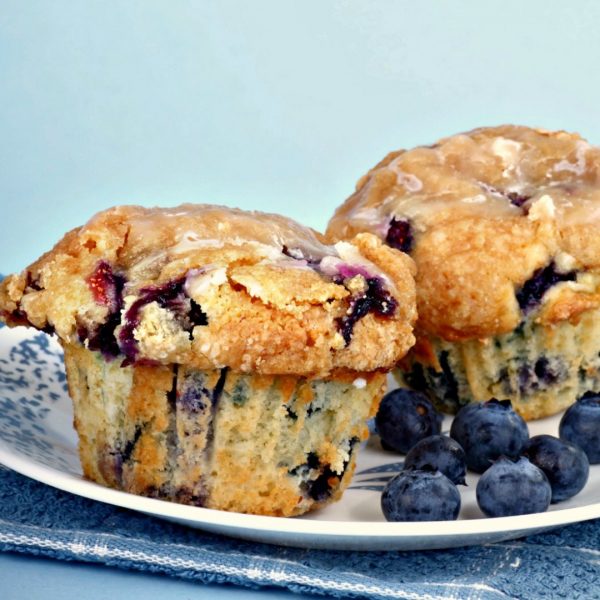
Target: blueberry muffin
{"type": "Point", "coordinates": [216, 357]}
{"type": "Point", "coordinates": [504, 226]}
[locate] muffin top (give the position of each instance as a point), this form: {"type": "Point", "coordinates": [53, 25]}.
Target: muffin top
{"type": "Point", "coordinates": [503, 223]}
{"type": "Point", "coordinates": [218, 287]}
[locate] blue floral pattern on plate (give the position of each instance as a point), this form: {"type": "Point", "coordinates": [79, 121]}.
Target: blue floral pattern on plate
{"type": "Point", "coordinates": [33, 398]}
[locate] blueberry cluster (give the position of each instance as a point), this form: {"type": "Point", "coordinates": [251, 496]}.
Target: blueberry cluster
{"type": "Point", "coordinates": [107, 288]}
{"type": "Point", "coordinates": [426, 489]}
{"type": "Point", "coordinates": [520, 475]}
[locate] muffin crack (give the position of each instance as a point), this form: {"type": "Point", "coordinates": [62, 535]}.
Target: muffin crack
{"type": "Point", "coordinates": [533, 290]}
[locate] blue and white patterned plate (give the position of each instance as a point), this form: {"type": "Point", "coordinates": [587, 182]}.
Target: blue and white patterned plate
{"type": "Point", "coordinates": [37, 439]}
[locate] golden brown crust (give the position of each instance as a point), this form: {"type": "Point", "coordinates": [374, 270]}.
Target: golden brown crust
{"type": "Point", "coordinates": [269, 289]}
{"type": "Point", "coordinates": [487, 208]}
{"type": "Point", "coordinates": [151, 431]}
{"type": "Point", "coordinates": [569, 305]}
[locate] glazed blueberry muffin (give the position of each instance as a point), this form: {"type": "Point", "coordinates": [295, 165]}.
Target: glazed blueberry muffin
{"type": "Point", "coordinates": [216, 357]}
{"type": "Point", "coordinates": [504, 226]}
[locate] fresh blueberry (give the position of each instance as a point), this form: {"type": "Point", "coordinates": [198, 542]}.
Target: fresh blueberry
{"type": "Point", "coordinates": [404, 418]}
{"type": "Point", "coordinates": [442, 453]}
{"type": "Point", "coordinates": [580, 425]}
{"type": "Point", "coordinates": [511, 488]}
{"type": "Point", "coordinates": [420, 495]}
{"type": "Point", "coordinates": [566, 466]}
{"type": "Point", "coordinates": [488, 430]}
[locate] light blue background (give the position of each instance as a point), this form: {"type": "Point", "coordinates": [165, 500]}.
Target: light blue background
{"type": "Point", "coordinates": [273, 105]}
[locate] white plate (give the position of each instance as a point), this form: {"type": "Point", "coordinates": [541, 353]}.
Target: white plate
{"type": "Point", "coordinates": [37, 439]}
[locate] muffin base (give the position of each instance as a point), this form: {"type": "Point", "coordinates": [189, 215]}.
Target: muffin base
{"type": "Point", "coordinates": [542, 369]}
{"type": "Point", "coordinates": [270, 445]}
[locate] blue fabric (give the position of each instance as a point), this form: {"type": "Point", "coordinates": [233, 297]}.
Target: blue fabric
{"type": "Point", "coordinates": [41, 520]}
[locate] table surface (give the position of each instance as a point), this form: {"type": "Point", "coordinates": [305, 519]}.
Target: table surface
{"type": "Point", "coordinates": [33, 578]}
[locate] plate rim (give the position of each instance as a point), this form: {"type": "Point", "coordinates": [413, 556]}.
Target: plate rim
{"type": "Point", "coordinates": [280, 526]}
{"type": "Point", "coordinates": [297, 526]}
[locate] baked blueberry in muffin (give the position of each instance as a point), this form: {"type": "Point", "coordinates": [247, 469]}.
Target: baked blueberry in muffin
{"type": "Point", "coordinates": [504, 226]}
{"type": "Point", "coordinates": [216, 357]}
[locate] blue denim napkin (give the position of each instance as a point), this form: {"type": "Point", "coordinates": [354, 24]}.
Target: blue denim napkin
{"type": "Point", "coordinates": [41, 520]}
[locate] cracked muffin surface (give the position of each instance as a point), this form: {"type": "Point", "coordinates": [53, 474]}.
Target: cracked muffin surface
{"type": "Point", "coordinates": [219, 358]}
{"type": "Point", "coordinates": [503, 226]}
{"type": "Point", "coordinates": [215, 287]}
